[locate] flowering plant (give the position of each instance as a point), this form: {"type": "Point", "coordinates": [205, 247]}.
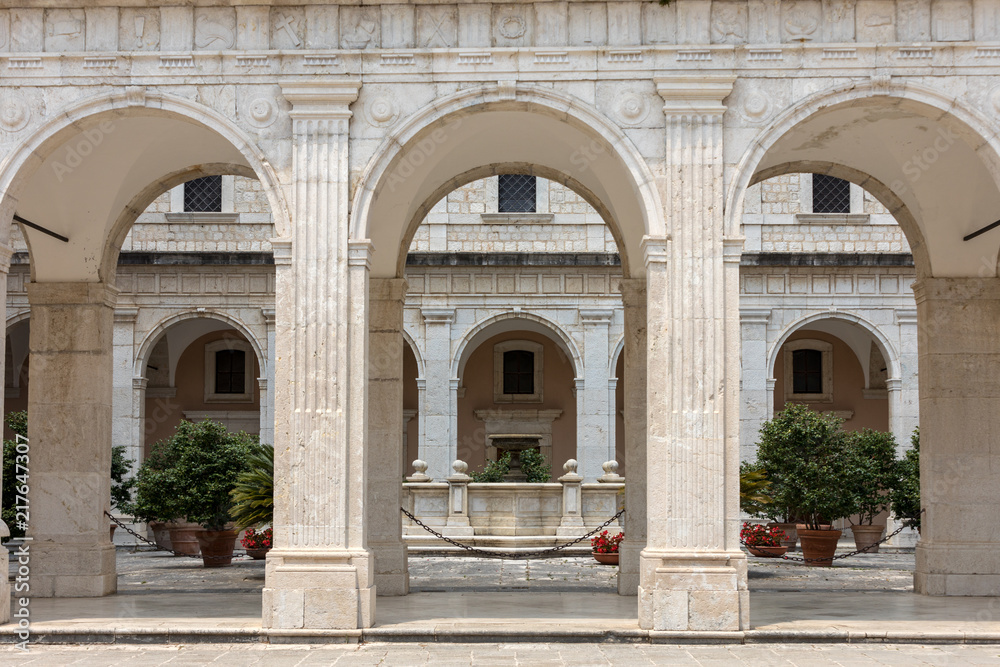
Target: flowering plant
{"type": "Point", "coordinates": [757, 535]}
{"type": "Point", "coordinates": [602, 544]}
{"type": "Point", "coordinates": [254, 540]}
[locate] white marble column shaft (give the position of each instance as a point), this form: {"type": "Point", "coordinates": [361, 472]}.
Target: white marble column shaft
{"type": "Point", "coordinates": [438, 443]}
{"type": "Point", "coordinates": [320, 574]}
{"type": "Point", "coordinates": [691, 576]}
{"type": "Point", "coordinates": [594, 442]}
{"type": "Point", "coordinates": [69, 427]}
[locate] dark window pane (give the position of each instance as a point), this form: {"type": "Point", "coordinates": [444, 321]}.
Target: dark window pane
{"type": "Point", "coordinates": [831, 195]}
{"type": "Point", "coordinates": [203, 195]}
{"type": "Point", "coordinates": [807, 372]}
{"type": "Point", "coordinates": [230, 372]}
{"type": "Point", "coordinates": [517, 193]}
{"type": "Point", "coordinates": [518, 372]}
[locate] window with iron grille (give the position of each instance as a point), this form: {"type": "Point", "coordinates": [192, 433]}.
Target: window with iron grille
{"type": "Point", "coordinates": [516, 193]}
{"type": "Point", "coordinates": [807, 372]}
{"type": "Point", "coordinates": [831, 195]}
{"type": "Point", "coordinates": [230, 372]}
{"type": "Point", "coordinates": [518, 372]}
{"type": "Point", "coordinates": [203, 195]}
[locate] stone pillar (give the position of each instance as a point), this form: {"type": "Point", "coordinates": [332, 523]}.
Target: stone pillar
{"type": "Point", "coordinates": [438, 442]}
{"type": "Point", "coordinates": [457, 522]}
{"type": "Point", "coordinates": [267, 382]}
{"type": "Point", "coordinates": [904, 395]}
{"type": "Point", "coordinates": [69, 426]}
{"type": "Point", "coordinates": [123, 392]}
{"type": "Point", "coordinates": [5, 254]}
{"type": "Point", "coordinates": [385, 422]}
{"type": "Point", "coordinates": [693, 575]}
{"type": "Point", "coordinates": [634, 369]}
{"type": "Point", "coordinates": [571, 525]}
{"type": "Point", "coordinates": [595, 444]}
{"type": "Point", "coordinates": [753, 355]}
{"type": "Point", "coordinates": [320, 574]}
{"type": "Point", "coordinates": [959, 421]}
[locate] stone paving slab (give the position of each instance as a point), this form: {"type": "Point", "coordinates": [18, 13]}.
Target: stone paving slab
{"type": "Point", "coordinates": [534, 654]}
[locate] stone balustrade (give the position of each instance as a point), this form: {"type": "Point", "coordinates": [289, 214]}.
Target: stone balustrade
{"type": "Point", "coordinates": [460, 508]}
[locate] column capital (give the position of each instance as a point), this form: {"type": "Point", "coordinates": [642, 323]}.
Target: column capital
{"type": "Point", "coordinates": [139, 382]}
{"type": "Point", "coordinates": [359, 253]}
{"type": "Point", "coordinates": [281, 249]}
{"type": "Point", "coordinates": [701, 94]}
{"type": "Point", "coordinates": [654, 249]}
{"type": "Point", "coordinates": [262, 383]}
{"type": "Point", "coordinates": [732, 248]}
{"type": "Point", "coordinates": [906, 315]}
{"type": "Point", "coordinates": [72, 294]}
{"type": "Point", "coordinates": [126, 315]}
{"type": "Point", "coordinates": [269, 315]}
{"type": "Point", "coordinates": [322, 100]}
{"type": "Point", "coordinates": [755, 315]}
{"type": "Point", "coordinates": [596, 316]}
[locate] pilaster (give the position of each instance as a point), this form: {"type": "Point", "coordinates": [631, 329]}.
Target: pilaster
{"type": "Point", "coordinates": [438, 441]}
{"type": "Point", "coordinates": [753, 356]}
{"type": "Point", "coordinates": [267, 381]}
{"type": "Point", "coordinates": [69, 425]}
{"type": "Point", "coordinates": [692, 572]}
{"type": "Point", "coordinates": [595, 443]}
{"type": "Point", "coordinates": [634, 300]}
{"type": "Point", "coordinates": [320, 574]}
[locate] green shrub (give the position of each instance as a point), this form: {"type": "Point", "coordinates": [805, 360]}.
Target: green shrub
{"type": "Point", "coordinates": [806, 457]}
{"type": "Point", "coordinates": [18, 423]}
{"type": "Point", "coordinates": [121, 481]}
{"type": "Point", "coordinates": [872, 471]}
{"type": "Point", "coordinates": [755, 499]}
{"type": "Point", "coordinates": [905, 498]}
{"type": "Point", "coordinates": [493, 471]}
{"type": "Point", "coordinates": [533, 465]}
{"type": "Point", "coordinates": [253, 495]}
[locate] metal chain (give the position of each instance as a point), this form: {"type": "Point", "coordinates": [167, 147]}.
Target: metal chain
{"type": "Point", "coordinates": [838, 556]}
{"type": "Point", "coordinates": [159, 548]}
{"type": "Point", "coordinates": [509, 555]}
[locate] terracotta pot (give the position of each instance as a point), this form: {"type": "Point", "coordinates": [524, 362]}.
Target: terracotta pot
{"type": "Point", "coordinates": [217, 546]}
{"type": "Point", "coordinates": [767, 552]}
{"type": "Point", "coordinates": [819, 546]}
{"type": "Point", "coordinates": [867, 536]}
{"type": "Point", "coordinates": [790, 531]}
{"type": "Point", "coordinates": [183, 537]}
{"type": "Point", "coordinates": [161, 534]}
{"type": "Point", "coordinates": [606, 559]}
{"type": "Point", "coordinates": [258, 554]}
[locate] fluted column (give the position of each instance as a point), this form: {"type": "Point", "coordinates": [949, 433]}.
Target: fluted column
{"type": "Point", "coordinates": [634, 299]}
{"type": "Point", "coordinates": [69, 426]}
{"type": "Point", "coordinates": [385, 423]}
{"type": "Point", "coordinates": [692, 572]}
{"type": "Point", "coordinates": [320, 574]}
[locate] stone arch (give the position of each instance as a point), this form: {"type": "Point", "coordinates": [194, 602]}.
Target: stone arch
{"type": "Point", "coordinates": [154, 335]}
{"type": "Point", "coordinates": [858, 146]}
{"type": "Point", "coordinates": [408, 339]}
{"type": "Point", "coordinates": [447, 138]}
{"type": "Point", "coordinates": [486, 328]}
{"type": "Point", "coordinates": [889, 352]}
{"type": "Point", "coordinates": [618, 350]}
{"type": "Point", "coordinates": [188, 141]}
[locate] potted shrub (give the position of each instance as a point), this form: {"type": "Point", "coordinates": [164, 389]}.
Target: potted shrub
{"type": "Point", "coordinates": [872, 473]}
{"type": "Point", "coordinates": [604, 547]}
{"type": "Point", "coordinates": [756, 500]}
{"type": "Point", "coordinates": [156, 498]}
{"type": "Point", "coordinates": [208, 461]}
{"type": "Point", "coordinates": [253, 500]}
{"type": "Point", "coordinates": [904, 499]}
{"type": "Point", "coordinates": [763, 541]}
{"type": "Point", "coordinates": [121, 483]}
{"type": "Point", "coordinates": [805, 454]}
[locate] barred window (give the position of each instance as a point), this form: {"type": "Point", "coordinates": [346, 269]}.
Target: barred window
{"type": "Point", "coordinates": [203, 195]}
{"type": "Point", "coordinates": [516, 193]}
{"type": "Point", "coordinates": [831, 195]}
{"type": "Point", "coordinates": [807, 372]}
{"type": "Point", "coordinates": [230, 372]}
{"type": "Point", "coordinates": [518, 372]}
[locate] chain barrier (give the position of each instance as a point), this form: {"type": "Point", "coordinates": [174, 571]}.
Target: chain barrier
{"type": "Point", "coordinates": [159, 548]}
{"type": "Point", "coordinates": [510, 555]}
{"type": "Point", "coordinates": [840, 556]}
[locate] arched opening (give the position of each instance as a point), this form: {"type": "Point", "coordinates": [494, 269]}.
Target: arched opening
{"type": "Point", "coordinates": [16, 368]}
{"type": "Point", "coordinates": [86, 175]}
{"type": "Point", "coordinates": [933, 165]}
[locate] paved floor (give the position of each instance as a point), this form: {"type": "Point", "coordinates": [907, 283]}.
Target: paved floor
{"type": "Point", "coordinates": [507, 655]}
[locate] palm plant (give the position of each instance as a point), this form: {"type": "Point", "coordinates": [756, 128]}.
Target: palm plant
{"type": "Point", "coordinates": [253, 495]}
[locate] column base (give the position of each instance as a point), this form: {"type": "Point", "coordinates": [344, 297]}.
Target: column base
{"type": "Point", "coordinates": [71, 570]}
{"type": "Point", "coordinates": [392, 574]}
{"type": "Point", "coordinates": [318, 589]}
{"type": "Point", "coordinates": [693, 591]}
{"type": "Point", "coordinates": [628, 567]}
{"type": "Point", "coordinates": [959, 569]}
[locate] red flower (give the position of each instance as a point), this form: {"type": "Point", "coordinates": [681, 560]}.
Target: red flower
{"type": "Point", "coordinates": [757, 535]}
{"type": "Point", "coordinates": [602, 544]}
{"type": "Point", "coordinates": [254, 540]}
